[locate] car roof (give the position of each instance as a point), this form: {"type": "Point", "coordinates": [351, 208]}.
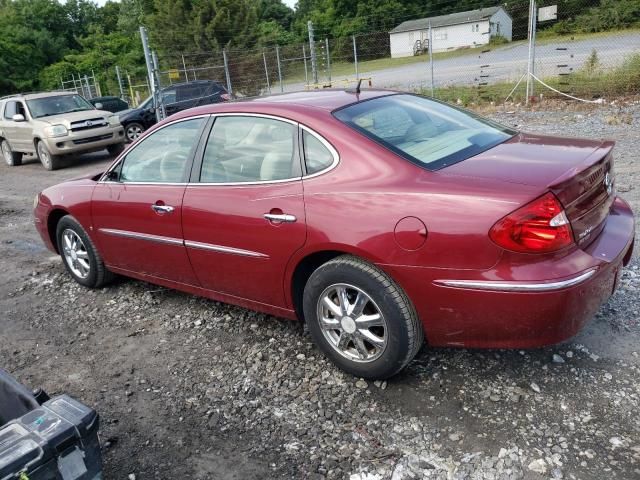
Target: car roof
{"type": "Point", "coordinates": [327, 100]}
{"type": "Point", "coordinates": [31, 96]}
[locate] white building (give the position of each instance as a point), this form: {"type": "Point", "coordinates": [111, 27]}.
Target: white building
{"type": "Point", "coordinates": [456, 30]}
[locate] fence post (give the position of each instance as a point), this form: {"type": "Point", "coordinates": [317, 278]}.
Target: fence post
{"type": "Point", "coordinates": [314, 59]}
{"type": "Point", "coordinates": [279, 68]}
{"type": "Point", "coordinates": [306, 73]}
{"type": "Point", "coordinates": [150, 74]}
{"type": "Point", "coordinates": [326, 44]}
{"type": "Point", "coordinates": [431, 55]}
{"type": "Point", "coordinates": [226, 71]}
{"type": "Point", "coordinates": [86, 83]}
{"type": "Point", "coordinates": [266, 71]}
{"type": "Point", "coordinates": [132, 100]}
{"type": "Point", "coordinates": [119, 81]}
{"type": "Point", "coordinates": [62, 81]}
{"type": "Point", "coordinates": [96, 84]}
{"type": "Point", "coordinates": [355, 55]}
{"type": "Point", "coordinates": [531, 59]}
{"type": "Point", "coordinates": [184, 67]}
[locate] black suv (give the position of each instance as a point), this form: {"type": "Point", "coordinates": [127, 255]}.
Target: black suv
{"type": "Point", "coordinates": [175, 98]}
{"type": "Point", "coordinates": [110, 104]}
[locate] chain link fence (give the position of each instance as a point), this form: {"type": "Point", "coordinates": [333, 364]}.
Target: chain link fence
{"type": "Point", "coordinates": [492, 54]}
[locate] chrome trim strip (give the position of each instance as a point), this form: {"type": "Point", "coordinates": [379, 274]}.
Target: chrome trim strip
{"type": "Point", "coordinates": [141, 236]}
{"type": "Point", "coordinates": [518, 286]}
{"type": "Point", "coordinates": [252, 114]}
{"type": "Point", "coordinates": [223, 249]}
{"type": "Point", "coordinates": [240, 184]}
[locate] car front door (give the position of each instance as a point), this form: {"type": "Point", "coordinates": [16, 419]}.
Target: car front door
{"type": "Point", "coordinates": [243, 212]}
{"type": "Point", "coordinates": [137, 209]}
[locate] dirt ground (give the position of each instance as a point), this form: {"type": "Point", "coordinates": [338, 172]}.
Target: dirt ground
{"type": "Point", "coordinates": [190, 388]}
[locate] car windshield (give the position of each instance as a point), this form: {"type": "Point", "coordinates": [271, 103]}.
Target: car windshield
{"type": "Point", "coordinates": [428, 133]}
{"type": "Point", "coordinates": [57, 104]}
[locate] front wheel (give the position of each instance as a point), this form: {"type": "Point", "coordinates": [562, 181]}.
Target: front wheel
{"type": "Point", "coordinates": [361, 319]}
{"type": "Point", "coordinates": [133, 130]}
{"type": "Point", "coordinates": [79, 254]}
{"type": "Point", "coordinates": [12, 158]}
{"type": "Point", "coordinates": [49, 161]}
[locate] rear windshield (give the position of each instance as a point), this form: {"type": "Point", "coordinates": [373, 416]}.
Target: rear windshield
{"type": "Point", "coordinates": [428, 133]}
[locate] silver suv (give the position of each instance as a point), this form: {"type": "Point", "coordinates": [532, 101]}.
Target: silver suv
{"type": "Point", "coordinates": [55, 124]}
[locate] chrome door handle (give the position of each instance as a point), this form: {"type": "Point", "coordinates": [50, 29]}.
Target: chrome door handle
{"type": "Point", "coordinates": [282, 217]}
{"type": "Point", "coordinates": [161, 209]}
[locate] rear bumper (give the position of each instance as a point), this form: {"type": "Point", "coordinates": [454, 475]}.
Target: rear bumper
{"type": "Point", "coordinates": [521, 303]}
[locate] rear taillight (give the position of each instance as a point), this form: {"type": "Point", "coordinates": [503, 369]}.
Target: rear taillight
{"type": "Point", "coordinates": [539, 227]}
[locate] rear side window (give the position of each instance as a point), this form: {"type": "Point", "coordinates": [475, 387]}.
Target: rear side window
{"type": "Point", "coordinates": [250, 149]}
{"type": "Point", "coordinates": [10, 110]}
{"type": "Point", "coordinates": [317, 156]}
{"type": "Point", "coordinates": [428, 133]}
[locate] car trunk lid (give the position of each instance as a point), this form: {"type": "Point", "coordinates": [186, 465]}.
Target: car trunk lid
{"type": "Point", "coordinates": [579, 172]}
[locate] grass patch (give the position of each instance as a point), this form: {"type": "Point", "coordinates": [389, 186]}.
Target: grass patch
{"type": "Point", "coordinates": [588, 84]}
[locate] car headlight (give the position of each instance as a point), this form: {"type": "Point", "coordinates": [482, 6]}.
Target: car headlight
{"type": "Point", "coordinates": [55, 131]}
{"type": "Point", "coordinates": [114, 120]}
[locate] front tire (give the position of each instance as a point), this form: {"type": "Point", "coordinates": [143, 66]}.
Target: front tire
{"type": "Point", "coordinates": [361, 319]}
{"type": "Point", "coordinates": [13, 159]}
{"type": "Point", "coordinates": [49, 161]}
{"type": "Point", "coordinates": [79, 254]}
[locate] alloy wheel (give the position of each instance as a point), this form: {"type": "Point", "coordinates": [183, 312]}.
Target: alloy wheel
{"type": "Point", "coordinates": [352, 323]}
{"type": "Point", "coordinates": [75, 254]}
{"type": "Point", "coordinates": [44, 155]}
{"type": "Point", "coordinates": [133, 132]}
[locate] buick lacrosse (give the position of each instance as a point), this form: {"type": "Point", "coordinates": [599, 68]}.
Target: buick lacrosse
{"type": "Point", "coordinates": [381, 219]}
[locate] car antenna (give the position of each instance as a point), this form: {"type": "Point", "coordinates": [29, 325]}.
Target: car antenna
{"type": "Point", "coordinates": [357, 89]}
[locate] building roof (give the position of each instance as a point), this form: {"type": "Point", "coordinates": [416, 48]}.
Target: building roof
{"type": "Point", "coordinates": [445, 20]}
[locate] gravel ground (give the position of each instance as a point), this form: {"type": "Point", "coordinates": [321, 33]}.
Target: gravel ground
{"type": "Point", "coordinates": [190, 388]}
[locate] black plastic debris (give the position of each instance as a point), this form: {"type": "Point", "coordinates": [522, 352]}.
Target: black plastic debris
{"type": "Point", "coordinates": [55, 440]}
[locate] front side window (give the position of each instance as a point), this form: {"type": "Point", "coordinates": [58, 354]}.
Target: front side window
{"type": "Point", "coordinates": [250, 149]}
{"type": "Point", "coordinates": [163, 156]}
{"type": "Point", "coordinates": [57, 104]}
{"type": "Point", "coordinates": [317, 157]}
{"type": "Point", "coordinates": [10, 110]}
{"type": "Point", "coordinates": [429, 133]}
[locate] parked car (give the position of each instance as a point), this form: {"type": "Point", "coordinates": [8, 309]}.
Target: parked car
{"type": "Point", "coordinates": [176, 97]}
{"type": "Point", "coordinates": [379, 218]}
{"type": "Point", "coordinates": [46, 438]}
{"type": "Point", "coordinates": [111, 104]}
{"type": "Point", "coordinates": [55, 124]}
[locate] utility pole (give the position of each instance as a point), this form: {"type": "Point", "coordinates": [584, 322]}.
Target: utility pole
{"type": "Point", "coordinates": [355, 54]}
{"type": "Point", "coordinates": [227, 74]}
{"type": "Point", "coordinates": [532, 50]}
{"type": "Point", "coordinates": [314, 59]}
{"type": "Point", "coordinates": [156, 74]}
{"type": "Point", "coordinates": [150, 74]}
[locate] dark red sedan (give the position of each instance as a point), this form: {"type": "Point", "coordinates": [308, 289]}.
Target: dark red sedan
{"type": "Point", "coordinates": [379, 218]}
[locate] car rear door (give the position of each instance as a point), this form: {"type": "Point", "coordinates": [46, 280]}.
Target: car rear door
{"type": "Point", "coordinates": [137, 212]}
{"type": "Point", "coordinates": [19, 134]}
{"type": "Point", "coordinates": [243, 212]}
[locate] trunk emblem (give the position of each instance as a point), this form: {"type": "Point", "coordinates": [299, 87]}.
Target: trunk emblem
{"type": "Point", "coordinates": [608, 183]}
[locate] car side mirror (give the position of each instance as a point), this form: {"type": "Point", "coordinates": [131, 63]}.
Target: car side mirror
{"type": "Point", "coordinates": [18, 117]}
{"type": "Point", "coordinates": [112, 176]}
{"type": "Point", "coordinates": [98, 106]}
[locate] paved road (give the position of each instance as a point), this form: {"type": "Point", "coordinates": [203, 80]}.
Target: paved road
{"type": "Point", "coordinates": [506, 63]}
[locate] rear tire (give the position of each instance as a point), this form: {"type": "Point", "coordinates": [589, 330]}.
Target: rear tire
{"type": "Point", "coordinates": [79, 255]}
{"type": "Point", "coordinates": [361, 319]}
{"type": "Point", "coordinates": [115, 149]}
{"type": "Point", "coordinates": [132, 131]}
{"type": "Point", "coordinates": [13, 159]}
{"type": "Point", "coordinates": [50, 162]}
